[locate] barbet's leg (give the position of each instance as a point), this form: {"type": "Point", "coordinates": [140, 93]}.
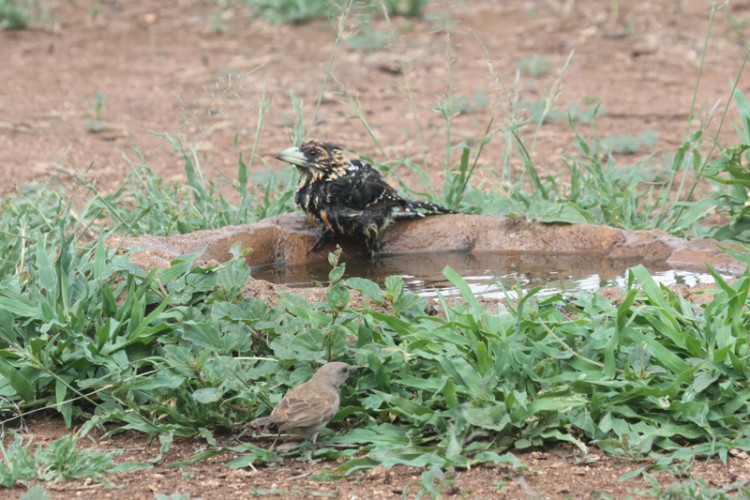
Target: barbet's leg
{"type": "Point", "coordinates": [325, 237]}
{"type": "Point", "coordinates": [372, 239]}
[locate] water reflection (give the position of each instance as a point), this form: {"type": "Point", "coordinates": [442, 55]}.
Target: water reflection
{"type": "Point", "coordinates": [488, 275]}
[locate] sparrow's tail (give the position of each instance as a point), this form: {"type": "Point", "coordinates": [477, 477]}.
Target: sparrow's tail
{"type": "Point", "coordinates": [263, 421]}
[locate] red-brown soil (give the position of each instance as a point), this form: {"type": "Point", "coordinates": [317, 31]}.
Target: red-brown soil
{"type": "Point", "coordinates": [162, 66]}
{"type": "Point", "coordinates": [560, 472]}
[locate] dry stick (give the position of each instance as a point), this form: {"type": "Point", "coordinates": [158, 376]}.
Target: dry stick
{"type": "Point", "coordinates": [165, 139]}
{"type": "Point", "coordinates": [197, 112]}
{"type": "Point", "coordinates": [356, 106]}
{"type": "Point", "coordinates": [551, 97]}
{"type": "Point", "coordinates": [409, 87]}
{"type": "Point", "coordinates": [668, 187]}
{"type": "Point", "coordinates": [339, 36]}
{"type": "Point", "coordinates": [715, 144]}
{"type": "Point", "coordinates": [512, 100]}
{"type": "Point", "coordinates": [691, 113]}
{"type": "Point", "coordinates": [265, 105]}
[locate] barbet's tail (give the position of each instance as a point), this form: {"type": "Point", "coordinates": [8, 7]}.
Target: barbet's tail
{"type": "Point", "coordinates": [430, 208]}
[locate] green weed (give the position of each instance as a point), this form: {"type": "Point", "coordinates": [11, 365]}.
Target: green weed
{"type": "Point", "coordinates": [534, 66]}
{"type": "Point", "coordinates": [97, 124]}
{"type": "Point", "coordinates": [61, 460]}
{"type": "Point", "coordinates": [736, 203]}
{"type": "Point", "coordinates": [574, 112]}
{"type": "Point", "coordinates": [694, 488]}
{"type": "Point", "coordinates": [368, 38]}
{"type": "Point", "coordinates": [300, 11]}
{"type": "Point", "coordinates": [630, 144]}
{"type": "Point", "coordinates": [15, 14]}
{"type": "Point", "coordinates": [730, 170]}
{"type": "Point", "coordinates": [146, 205]}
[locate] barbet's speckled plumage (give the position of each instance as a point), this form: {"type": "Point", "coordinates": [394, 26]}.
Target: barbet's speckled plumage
{"type": "Point", "coordinates": [347, 196]}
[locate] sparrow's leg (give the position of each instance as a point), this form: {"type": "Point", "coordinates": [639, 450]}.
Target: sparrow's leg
{"type": "Point", "coordinates": [273, 445]}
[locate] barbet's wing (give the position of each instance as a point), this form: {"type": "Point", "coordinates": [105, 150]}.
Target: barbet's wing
{"type": "Point", "coordinates": [357, 185]}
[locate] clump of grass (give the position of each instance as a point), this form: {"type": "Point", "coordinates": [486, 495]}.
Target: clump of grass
{"type": "Point", "coordinates": [534, 66]}
{"type": "Point", "coordinates": [96, 124]}
{"type": "Point", "coordinates": [300, 11]}
{"type": "Point", "coordinates": [693, 488]}
{"type": "Point", "coordinates": [733, 170]}
{"type": "Point", "coordinates": [574, 112]}
{"type": "Point", "coordinates": [369, 38]}
{"type": "Point", "coordinates": [153, 207]}
{"type": "Point", "coordinates": [59, 461]}
{"type": "Point", "coordinates": [144, 204]}
{"type": "Point", "coordinates": [15, 14]}
{"type": "Point", "coordinates": [630, 144]}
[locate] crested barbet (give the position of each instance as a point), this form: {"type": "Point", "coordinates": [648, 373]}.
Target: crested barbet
{"type": "Point", "coordinates": [347, 196]}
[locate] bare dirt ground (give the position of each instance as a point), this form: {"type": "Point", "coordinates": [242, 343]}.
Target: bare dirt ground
{"type": "Point", "coordinates": [561, 472]}
{"type": "Point", "coordinates": [163, 67]}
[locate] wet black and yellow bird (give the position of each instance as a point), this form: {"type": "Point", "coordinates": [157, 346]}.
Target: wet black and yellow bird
{"type": "Point", "coordinates": [347, 196]}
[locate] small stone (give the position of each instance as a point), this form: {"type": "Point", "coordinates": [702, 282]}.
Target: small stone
{"type": "Point", "coordinates": [645, 46]}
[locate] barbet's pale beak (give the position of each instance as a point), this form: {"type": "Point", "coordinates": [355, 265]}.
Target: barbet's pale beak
{"type": "Point", "coordinates": [293, 156]}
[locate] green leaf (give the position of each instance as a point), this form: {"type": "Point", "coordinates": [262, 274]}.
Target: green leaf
{"type": "Point", "coordinates": [242, 461]}
{"type": "Point", "coordinates": [462, 286]}
{"type": "Point", "coordinates": [208, 395]}
{"type": "Point", "coordinates": [337, 297]}
{"type": "Point", "coordinates": [335, 274]}
{"type": "Point", "coordinates": [126, 467]}
{"type": "Point", "coordinates": [63, 406]}
{"type": "Point", "coordinates": [158, 381]}
{"type": "Point", "coordinates": [494, 418]}
{"type": "Point", "coordinates": [19, 305]}
{"type": "Point", "coordinates": [494, 458]}
{"type": "Point", "coordinates": [368, 288]}
{"type": "Point", "coordinates": [18, 382]}
{"type": "Point", "coordinates": [179, 266]}
{"type": "Point", "coordinates": [36, 492]}
{"type": "Point", "coordinates": [449, 393]}
{"type": "Point", "coordinates": [703, 380]}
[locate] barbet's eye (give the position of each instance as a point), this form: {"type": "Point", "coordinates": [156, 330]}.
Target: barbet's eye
{"type": "Point", "coordinates": [312, 153]}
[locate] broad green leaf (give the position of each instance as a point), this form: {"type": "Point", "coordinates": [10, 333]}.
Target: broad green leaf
{"type": "Point", "coordinates": [208, 395]}
{"type": "Point", "coordinates": [462, 286]}
{"type": "Point", "coordinates": [18, 382]}
{"type": "Point", "coordinates": [368, 288]}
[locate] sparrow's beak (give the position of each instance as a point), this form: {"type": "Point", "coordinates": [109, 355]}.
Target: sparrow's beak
{"type": "Point", "coordinates": [293, 155]}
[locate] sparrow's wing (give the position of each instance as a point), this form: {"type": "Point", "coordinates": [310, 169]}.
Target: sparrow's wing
{"type": "Point", "coordinates": [306, 406]}
{"type": "Point", "coordinates": [264, 421]}
{"type": "Point", "coordinates": [357, 185]}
